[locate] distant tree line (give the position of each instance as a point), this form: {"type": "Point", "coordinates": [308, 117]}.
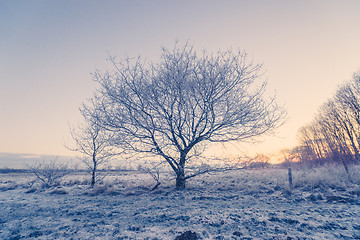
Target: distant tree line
{"type": "Point", "coordinates": [334, 134]}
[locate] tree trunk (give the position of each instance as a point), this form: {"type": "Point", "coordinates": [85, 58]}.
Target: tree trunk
{"type": "Point", "coordinates": [93, 177]}
{"type": "Point", "coordinates": [180, 182]}
{"type": "Point", "coordinates": [93, 174]}
{"type": "Point", "coordinates": [180, 178]}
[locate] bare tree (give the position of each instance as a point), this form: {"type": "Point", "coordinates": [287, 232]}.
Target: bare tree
{"type": "Point", "coordinates": [348, 100]}
{"type": "Point", "coordinates": [334, 133]}
{"type": "Point", "coordinates": [289, 156]}
{"type": "Point", "coordinates": [153, 171]}
{"type": "Point", "coordinates": [311, 140]}
{"type": "Point", "coordinates": [259, 161]}
{"type": "Point", "coordinates": [49, 172]}
{"type": "Point", "coordinates": [174, 108]}
{"type": "Point", "coordinates": [92, 142]}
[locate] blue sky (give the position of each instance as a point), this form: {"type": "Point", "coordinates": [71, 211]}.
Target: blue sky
{"type": "Point", "coordinates": [48, 50]}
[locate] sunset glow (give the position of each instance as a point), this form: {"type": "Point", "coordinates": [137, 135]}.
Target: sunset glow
{"type": "Point", "coordinates": [50, 48]}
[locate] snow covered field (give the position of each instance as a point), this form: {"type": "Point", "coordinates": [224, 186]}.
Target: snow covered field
{"type": "Point", "coordinates": [245, 204]}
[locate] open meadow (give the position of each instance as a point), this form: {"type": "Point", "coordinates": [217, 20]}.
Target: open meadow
{"type": "Point", "coordinates": [244, 204]}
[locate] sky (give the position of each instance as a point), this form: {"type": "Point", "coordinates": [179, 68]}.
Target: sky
{"type": "Point", "coordinates": [48, 50]}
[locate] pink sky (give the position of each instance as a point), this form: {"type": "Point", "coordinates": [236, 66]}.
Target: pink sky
{"type": "Point", "coordinates": [48, 49]}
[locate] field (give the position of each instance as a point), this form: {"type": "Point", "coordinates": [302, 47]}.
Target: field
{"type": "Point", "coordinates": [243, 204]}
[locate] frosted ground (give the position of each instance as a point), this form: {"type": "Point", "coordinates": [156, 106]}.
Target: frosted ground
{"type": "Point", "coordinates": [246, 204]}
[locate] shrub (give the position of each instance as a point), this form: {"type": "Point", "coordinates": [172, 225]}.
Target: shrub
{"type": "Point", "coordinates": [50, 173]}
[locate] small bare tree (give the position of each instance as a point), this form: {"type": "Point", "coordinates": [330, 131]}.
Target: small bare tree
{"type": "Point", "coordinates": [176, 107]}
{"type": "Point", "coordinates": [49, 172]}
{"type": "Point", "coordinates": [153, 171]}
{"type": "Point", "coordinates": [259, 161]}
{"type": "Point", "coordinates": [92, 142]}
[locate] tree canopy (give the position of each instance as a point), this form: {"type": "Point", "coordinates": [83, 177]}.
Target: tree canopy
{"type": "Point", "coordinates": [184, 101]}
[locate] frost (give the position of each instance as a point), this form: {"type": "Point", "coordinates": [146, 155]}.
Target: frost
{"type": "Point", "coordinates": [247, 204]}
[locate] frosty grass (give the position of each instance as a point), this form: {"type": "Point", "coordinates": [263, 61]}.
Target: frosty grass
{"type": "Point", "coordinates": [245, 204]}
